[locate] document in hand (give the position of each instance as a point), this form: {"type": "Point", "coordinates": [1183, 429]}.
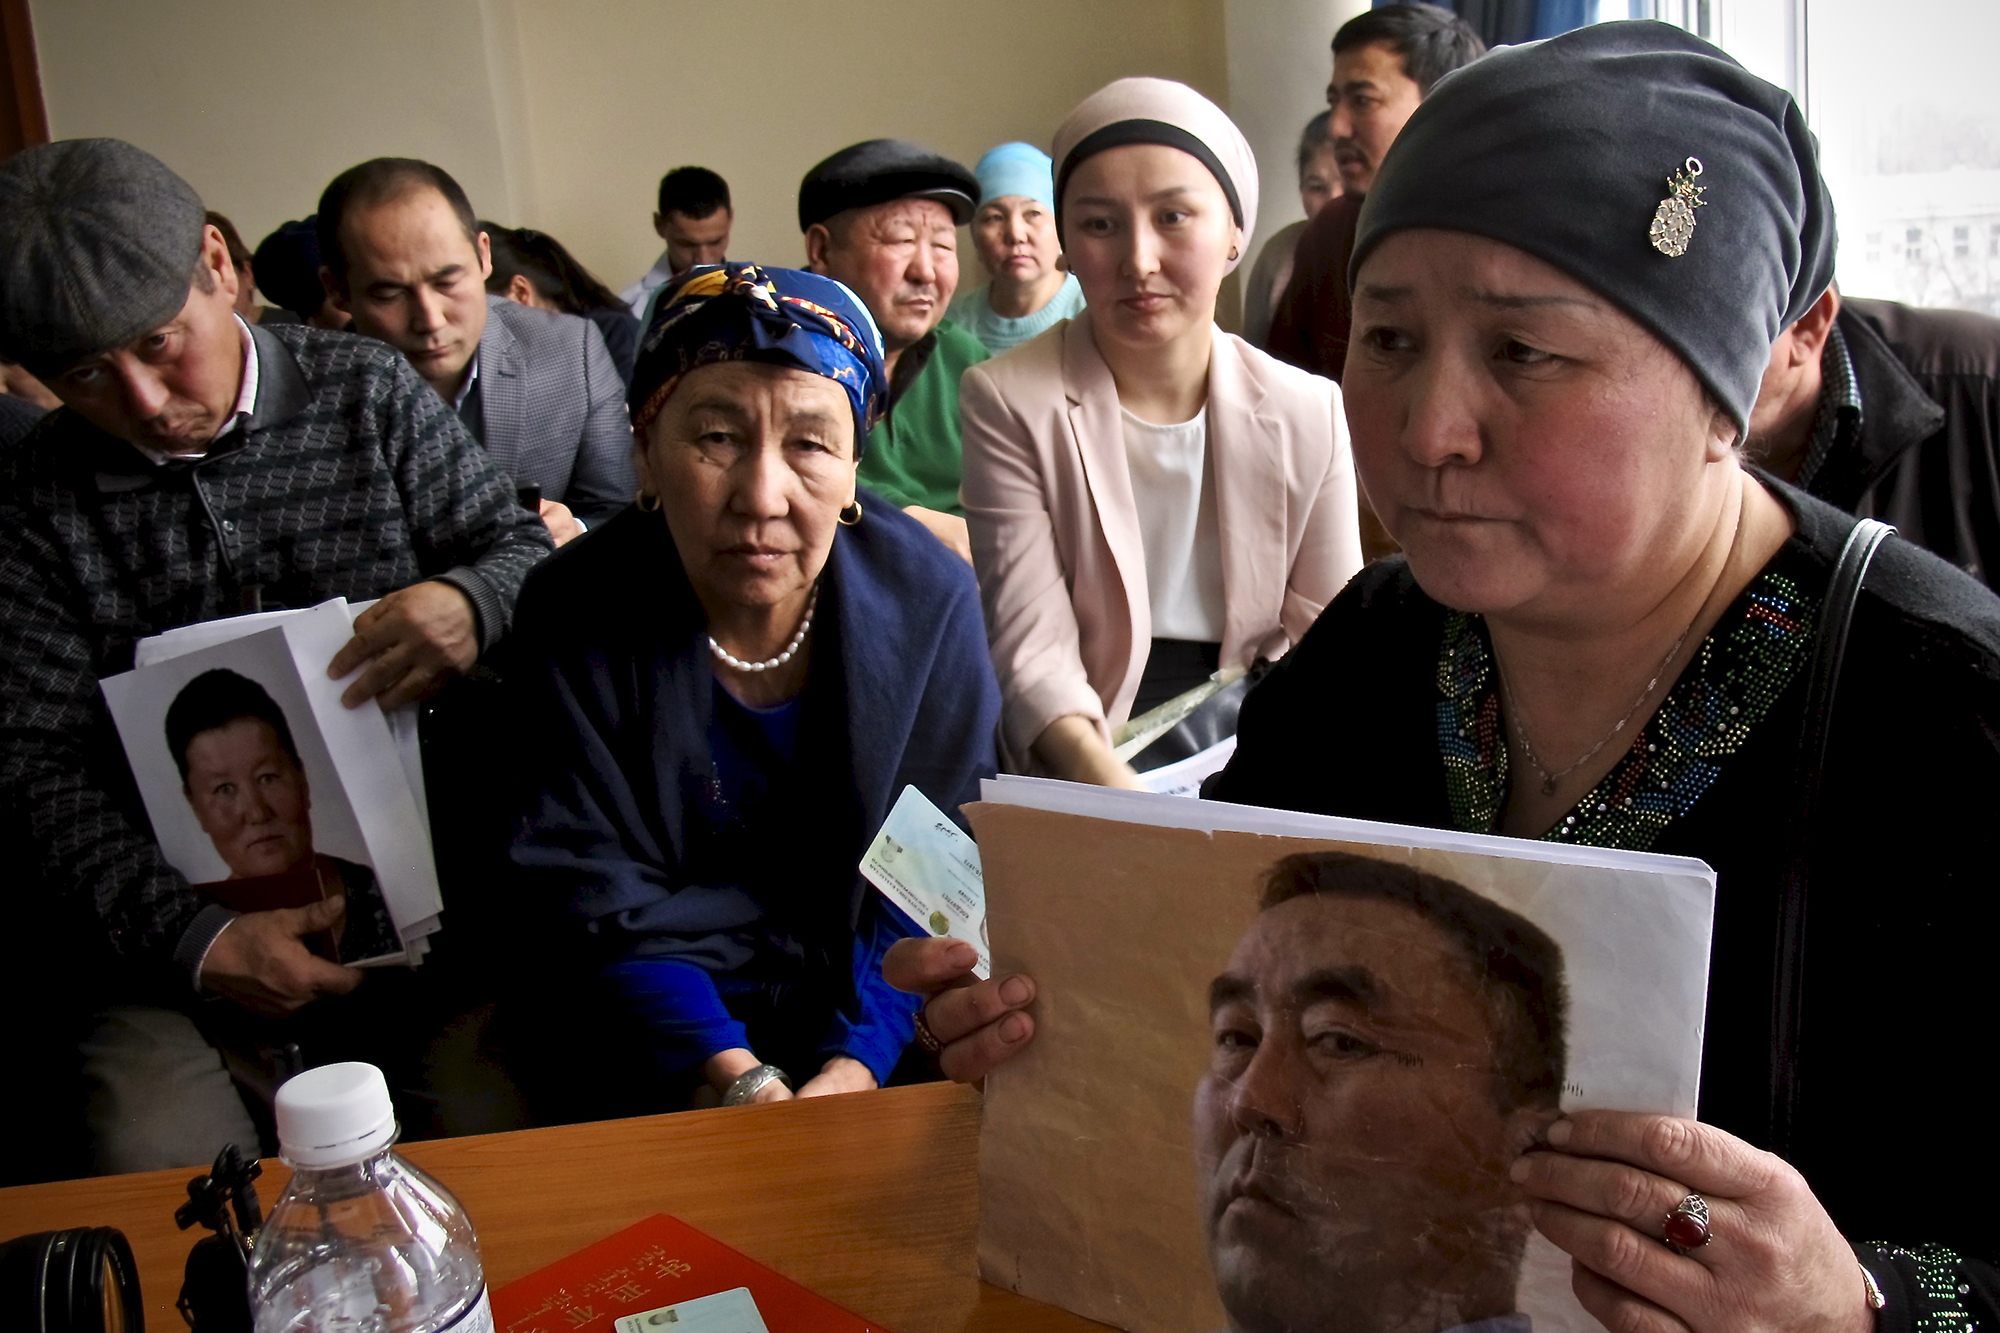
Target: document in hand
{"type": "Point", "coordinates": [265, 791]}
{"type": "Point", "coordinates": [1282, 1062]}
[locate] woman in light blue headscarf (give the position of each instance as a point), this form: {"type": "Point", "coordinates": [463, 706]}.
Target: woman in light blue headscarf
{"type": "Point", "coordinates": [1014, 232]}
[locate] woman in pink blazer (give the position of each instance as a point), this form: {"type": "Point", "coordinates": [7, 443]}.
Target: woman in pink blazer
{"type": "Point", "coordinates": [1148, 497]}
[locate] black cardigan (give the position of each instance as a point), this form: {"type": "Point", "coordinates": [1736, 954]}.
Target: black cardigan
{"type": "Point", "coordinates": [1895, 1136]}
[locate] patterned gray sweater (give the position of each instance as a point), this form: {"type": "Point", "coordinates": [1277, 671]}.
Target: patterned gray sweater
{"type": "Point", "coordinates": [349, 478]}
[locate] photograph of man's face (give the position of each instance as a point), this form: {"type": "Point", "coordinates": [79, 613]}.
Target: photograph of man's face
{"type": "Point", "coordinates": [241, 774]}
{"type": "Point", "coordinates": [1385, 1043]}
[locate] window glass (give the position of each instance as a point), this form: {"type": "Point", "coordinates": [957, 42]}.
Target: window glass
{"type": "Point", "coordinates": [1907, 108]}
{"type": "Point", "coordinates": [1904, 100]}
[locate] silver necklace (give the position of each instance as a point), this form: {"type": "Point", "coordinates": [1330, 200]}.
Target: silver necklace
{"type": "Point", "coordinates": [1549, 780]}
{"type": "Point", "coordinates": [805, 627]}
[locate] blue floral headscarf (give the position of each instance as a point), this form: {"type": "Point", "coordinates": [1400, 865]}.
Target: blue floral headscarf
{"type": "Point", "coordinates": [779, 316]}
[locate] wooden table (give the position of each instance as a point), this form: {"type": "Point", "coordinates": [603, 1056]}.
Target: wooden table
{"type": "Point", "coordinates": [870, 1199]}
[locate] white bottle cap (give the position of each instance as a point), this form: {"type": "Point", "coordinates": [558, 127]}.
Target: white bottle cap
{"type": "Point", "coordinates": [334, 1115]}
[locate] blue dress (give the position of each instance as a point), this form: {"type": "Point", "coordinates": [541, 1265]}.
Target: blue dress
{"type": "Point", "coordinates": [692, 860]}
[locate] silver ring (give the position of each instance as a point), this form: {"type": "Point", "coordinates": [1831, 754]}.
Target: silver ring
{"type": "Point", "coordinates": [1686, 1225]}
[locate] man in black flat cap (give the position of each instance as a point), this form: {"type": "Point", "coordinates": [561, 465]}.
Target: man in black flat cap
{"type": "Point", "coordinates": [199, 468]}
{"type": "Point", "coordinates": [1892, 412]}
{"type": "Point", "coordinates": [883, 218]}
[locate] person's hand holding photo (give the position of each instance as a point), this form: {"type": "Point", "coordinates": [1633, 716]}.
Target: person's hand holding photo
{"type": "Point", "coordinates": [408, 646]}
{"type": "Point", "coordinates": [260, 960]}
{"type": "Point", "coordinates": [977, 1025]}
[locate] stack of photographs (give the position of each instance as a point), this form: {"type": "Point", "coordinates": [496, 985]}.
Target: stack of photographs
{"type": "Point", "coordinates": [265, 791]}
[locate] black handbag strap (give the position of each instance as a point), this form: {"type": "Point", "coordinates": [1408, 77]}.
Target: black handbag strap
{"type": "Point", "coordinates": [1788, 997]}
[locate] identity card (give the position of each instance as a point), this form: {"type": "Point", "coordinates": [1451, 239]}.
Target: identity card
{"type": "Point", "coordinates": [924, 864]}
{"type": "Point", "coordinates": [724, 1312]}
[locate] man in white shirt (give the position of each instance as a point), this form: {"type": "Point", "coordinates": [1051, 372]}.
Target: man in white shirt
{"type": "Point", "coordinates": [694, 219]}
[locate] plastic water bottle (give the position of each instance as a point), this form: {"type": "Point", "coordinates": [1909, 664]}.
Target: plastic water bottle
{"type": "Point", "coordinates": [360, 1241]}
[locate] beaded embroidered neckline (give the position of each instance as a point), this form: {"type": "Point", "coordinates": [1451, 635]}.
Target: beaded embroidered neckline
{"type": "Point", "coordinates": [1729, 685]}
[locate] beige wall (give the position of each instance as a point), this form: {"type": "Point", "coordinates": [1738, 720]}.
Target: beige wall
{"type": "Point", "coordinates": [621, 90]}
{"type": "Point", "coordinates": [1280, 56]}
{"type": "Point", "coordinates": [259, 103]}
{"type": "Point", "coordinates": [562, 114]}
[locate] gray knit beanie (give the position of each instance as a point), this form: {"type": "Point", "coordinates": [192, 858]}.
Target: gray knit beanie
{"type": "Point", "coordinates": [1647, 165]}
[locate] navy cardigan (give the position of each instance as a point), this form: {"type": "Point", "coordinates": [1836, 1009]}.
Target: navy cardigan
{"type": "Point", "coordinates": [610, 674]}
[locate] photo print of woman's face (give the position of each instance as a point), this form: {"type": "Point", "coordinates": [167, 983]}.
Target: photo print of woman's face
{"type": "Point", "coordinates": [241, 774]}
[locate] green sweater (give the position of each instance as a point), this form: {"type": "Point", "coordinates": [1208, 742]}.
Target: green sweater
{"type": "Point", "coordinates": [913, 454]}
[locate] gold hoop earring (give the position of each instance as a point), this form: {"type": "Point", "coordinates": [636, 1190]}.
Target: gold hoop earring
{"type": "Point", "coordinates": [643, 496]}
{"type": "Point", "coordinates": [854, 507]}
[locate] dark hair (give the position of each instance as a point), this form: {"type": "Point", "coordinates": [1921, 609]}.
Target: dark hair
{"type": "Point", "coordinates": [1317, 134]}
{"type": "Point", "coordinates": [239, 253]}
{"type": "Point", "coordinates": [550, 269]}
{"type": "Point", "coordinates": [1430, 41]}
{"type": "Point", "coordinates": [693, 191]}
{"type": "Point", "coordinates": [379, 181]}
{"type": "Point", "coordinates": [288, 267]}
{"type": "Point", "coordinates": [1515, 964]}
{"type": "Point", "coordinates": [215, 699]}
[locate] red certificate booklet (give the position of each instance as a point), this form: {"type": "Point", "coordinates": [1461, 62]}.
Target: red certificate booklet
{"type": "Point", "coordinates": [660, 1261]}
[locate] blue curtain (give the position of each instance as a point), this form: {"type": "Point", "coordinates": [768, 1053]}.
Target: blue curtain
{"type": "Point", "coordinates": [1505, 22]}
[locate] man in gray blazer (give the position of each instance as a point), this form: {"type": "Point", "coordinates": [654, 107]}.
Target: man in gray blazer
{"type": "Point", "coordinates": [405, 257]}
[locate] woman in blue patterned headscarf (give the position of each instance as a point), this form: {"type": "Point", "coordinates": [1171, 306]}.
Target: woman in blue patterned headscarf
{"type": "Point", "coordinates": [729, 685]}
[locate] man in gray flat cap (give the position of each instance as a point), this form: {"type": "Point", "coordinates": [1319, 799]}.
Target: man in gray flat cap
{"type": "Point", "coordinates": [883, 217]}
{"type": "Point", "coordinates": [199, 468]}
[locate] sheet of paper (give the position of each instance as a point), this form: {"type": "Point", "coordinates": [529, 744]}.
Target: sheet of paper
{"type": "Point", "coordinates": [214, 836]}
{"type": "Point", "coordinates": [325, 633]}
{"type": "Point", "coordinates": [924, 864]}
{"type": "Point", "coordinates": [409, 751]}
{"type": "Point", "coordinates": [725, 1312]}
{"type": "Point", "coordinates": [356, 803]}
{"type": "Point", "coordinates": [208, 633]}
{"type": "Point", "coordinates": [1096, 1153]}
{"type": "Point", "coordinates": [359, 740]}
{"type": "Point", "coordinates": [1184, 776]}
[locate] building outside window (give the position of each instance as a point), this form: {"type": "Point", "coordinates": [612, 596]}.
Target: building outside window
{"type": "Point", "coordinates": [1902, 96]}
{"type": "Point", "coordinates": [1903, 99]}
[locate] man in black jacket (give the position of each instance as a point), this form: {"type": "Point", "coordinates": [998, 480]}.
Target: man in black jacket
{"type": "Point", "coordinates": [198, 468]}
{"type": "Point", "coordinates": [1892, 412]}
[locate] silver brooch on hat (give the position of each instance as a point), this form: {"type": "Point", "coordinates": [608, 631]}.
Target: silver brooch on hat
{"type": "Point", "coordinates": [1673, 220]}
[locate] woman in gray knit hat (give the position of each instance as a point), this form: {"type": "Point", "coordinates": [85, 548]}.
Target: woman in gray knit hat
{"type": "Point", "coordinates": [1608, 629]}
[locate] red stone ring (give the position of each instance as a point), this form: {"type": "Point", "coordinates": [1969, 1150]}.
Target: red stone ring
{"type": "Point", "coordinates": [1687, 1225]}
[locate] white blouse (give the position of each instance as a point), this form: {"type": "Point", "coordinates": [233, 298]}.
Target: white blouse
{"type": "Point", "coordinates": [1174, 492]}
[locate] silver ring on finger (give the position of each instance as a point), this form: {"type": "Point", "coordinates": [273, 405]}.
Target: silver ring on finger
{"type": "Point", "coordinates": [1686, 1226]}
{"type": "Point", "coordinates": [927, 1040]}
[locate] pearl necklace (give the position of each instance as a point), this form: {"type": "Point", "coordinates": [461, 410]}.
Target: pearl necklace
{"type": "Point", "coordinates": [805, 627]}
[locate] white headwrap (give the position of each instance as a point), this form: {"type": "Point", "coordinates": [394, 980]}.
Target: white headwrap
{"type": "Point", "coordinates": [1160, 111]}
